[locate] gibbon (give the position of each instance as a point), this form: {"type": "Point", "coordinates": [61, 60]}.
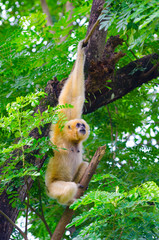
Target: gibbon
{"type": "Point", "coordinates": [66, 168]}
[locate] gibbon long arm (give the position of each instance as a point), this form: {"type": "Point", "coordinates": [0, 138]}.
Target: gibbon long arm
{"type": "Point", "coordinates": [73, 91]}
{"type": "Point", "coordinates": [66, 168]}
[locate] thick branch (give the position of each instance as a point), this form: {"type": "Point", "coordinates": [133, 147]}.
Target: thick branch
{"type": "Point", "coordinates": [94, 51]}
{"type": "Point", "coordinates": [125, 80]}
{"type": "Point", "coordinates": [68, 213]}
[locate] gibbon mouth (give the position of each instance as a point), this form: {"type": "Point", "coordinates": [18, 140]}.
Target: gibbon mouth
{"type": "Point", "coordinates": [83, 131]}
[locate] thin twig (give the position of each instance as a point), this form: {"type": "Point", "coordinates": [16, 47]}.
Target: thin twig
{"type": "Point", "coordinates": [42, 212]}
{"type": "Point", "coordinates": [144, 75]}
{"type": "Point", "coordinates": [92, 29]}
{"type": "Point", "coordinates": [111, 123]}
{"type": "Point", "coordinates": [27, 211]}
{"type": "Point", "coordinates": [90, 33]}
{"type": "Point", "coordinates": [27, 206]}
{"type": "Point", "coordinates": [116, 136]}
{"type": "Point", "coordinates": [14, 225]}
{"type": "Point", "coordinates": [130, 49]}
{"type": "Point", "coordinates": [42, 219]}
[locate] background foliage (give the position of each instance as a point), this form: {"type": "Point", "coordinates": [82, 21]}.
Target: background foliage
{"type": "Point", "coordinates": [123, 198]}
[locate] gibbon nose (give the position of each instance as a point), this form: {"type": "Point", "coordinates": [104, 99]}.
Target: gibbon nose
{"type": "Point", "coordinates": [83, 130]}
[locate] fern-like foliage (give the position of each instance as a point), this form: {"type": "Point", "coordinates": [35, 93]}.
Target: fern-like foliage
{"type": "Point", "coordinates": [135, 21]}
{"type": "Point", "coordinates": [18, 124]}
{"type": "Point", "coordinates": [120, 215]}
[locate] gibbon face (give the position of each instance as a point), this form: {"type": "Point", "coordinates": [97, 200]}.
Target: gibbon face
{"type": "Point", "coordinates": [76, 130]}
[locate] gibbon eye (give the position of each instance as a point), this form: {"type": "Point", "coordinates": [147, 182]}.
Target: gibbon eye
{"type": "Point", "coordinates": [83, 125]}
{"type": "Point", "coordinates": [69, 126]}
{"type": "Point", "coordinates": [78, 125]}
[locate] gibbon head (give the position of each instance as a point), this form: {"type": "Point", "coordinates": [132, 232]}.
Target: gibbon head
{"type": "Point", "coordinates": [76, 130]}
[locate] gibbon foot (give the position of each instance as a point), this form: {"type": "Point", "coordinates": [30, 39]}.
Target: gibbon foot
{"type": "Point", "coordinates": [63, 191]}
{"type": "Point", "coordinates": [80, 185]}
{"type": "Point", "coordinates": [71, 201]}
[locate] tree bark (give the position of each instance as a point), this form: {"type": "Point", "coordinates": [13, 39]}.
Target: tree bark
{"type": "Point", "coordinates": [99, 67]}
{"type": "Point", "coordinates": [122, 82]}
{"type": "Point", "coordinates": [46, 11]}
{"type": "Point", "coordinates": [69, 7]}
{"type": "Point", "coordinates": [6, 228]}
{"type": "Point", "coordinates": [94, 51]}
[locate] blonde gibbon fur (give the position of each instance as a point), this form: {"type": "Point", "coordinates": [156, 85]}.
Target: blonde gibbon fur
{"type": "Point", "coordinates": [66, 168]}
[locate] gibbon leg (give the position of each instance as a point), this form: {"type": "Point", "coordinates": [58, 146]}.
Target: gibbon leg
{"type": "Point", "coordinates": [80, 171]}
{"type": "Point", "coordinates": [63, 191]}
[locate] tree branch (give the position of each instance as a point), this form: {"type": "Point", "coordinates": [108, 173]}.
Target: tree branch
{"type": "Point", "coordinates": [14, 225]}
{"type": "Point", "coordinates": [68, 213]}
{"type": "Point", "coordinates": [69, 7]}
{"type": "Point", "coordinates": [94, 51]}
{"type": "Point", "coordinates": [154, 68]}
{"type": "Point", "coordinates": [90, 33]}
{"type": "Point", "coordinates": [125, 80]}
{"type": "Point", "coordinates": [42, 219]}
{"type": "Point", "coordinates": [46, 11]}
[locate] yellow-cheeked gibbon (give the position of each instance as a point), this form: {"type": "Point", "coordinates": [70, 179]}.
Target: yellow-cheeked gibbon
{"type": "Point", "coordinates": [66, 168]}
